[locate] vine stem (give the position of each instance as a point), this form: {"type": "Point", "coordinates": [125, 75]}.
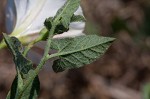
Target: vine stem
{"type": "Point", "coordinates": [30, 45]}
{"type": "Point", "coordinates": [43, 60]}
{"type": "Point", "coordinates": [2, 44]}
{"type": "Point", "coordinates": [46, 51]}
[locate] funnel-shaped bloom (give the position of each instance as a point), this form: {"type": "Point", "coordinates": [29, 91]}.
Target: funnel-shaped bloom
{"type": "Point", "coordinates": [25, 18]}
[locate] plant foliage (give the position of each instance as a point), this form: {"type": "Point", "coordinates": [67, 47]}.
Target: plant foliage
{"type": "Point", "coordinates": [72, 52]}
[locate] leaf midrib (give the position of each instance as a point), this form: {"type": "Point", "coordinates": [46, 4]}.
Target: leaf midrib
{"type": "Point", "coordinates": [70, 52]}
{"type": "Point", "coordinates": [58, 17]}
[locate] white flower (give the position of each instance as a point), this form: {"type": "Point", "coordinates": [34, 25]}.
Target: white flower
{"type": "Point", "coordinates": [26, 17]}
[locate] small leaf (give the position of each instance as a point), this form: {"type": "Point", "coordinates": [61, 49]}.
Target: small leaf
{"type": "Point", "coordinates": [63, 17]}
{"type": "Point", "coordinates": [79, 51]}
{"type": "Point", "coordinates": [78, 18]}
{"type": "Point", "coordinates": [23, 64]}
{"type": "Point", "coordinates": [24, 72]}
{"type": "Point", "coordinates": [15, 88]}
{"type": "Point", "coordinates": [48, 23]}
{"type": "Point", "coordinates": [32, 90]}
{"type": "Point", "coordinates": [57, 66]}
{"type": "Point", "coordinates": [58, 30]}
{"type": "Point", "coordinates": [65, 13]}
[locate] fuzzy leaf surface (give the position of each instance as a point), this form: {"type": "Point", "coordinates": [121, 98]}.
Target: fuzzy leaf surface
{"type": "Point", "coordinates": [79, 51]}
{"type": "Point", "coordinates": [24, 71]}
{"type": "Point", "coordinates": [65, 13]}
{"type": "Point", "coordinates": [23, 64]}
{"type": "Point", "coordinates": [78, 18]}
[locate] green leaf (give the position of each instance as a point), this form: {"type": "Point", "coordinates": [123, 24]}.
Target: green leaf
{"type": "Point", "coordinates": [23, 64]}
{"type": "Point", "coordinates": [16, 87]}
{"type": "Point", "coordinates": [32, 90]}
{"type": "Point", "coordinates": [63, 17]}
{"type": "Point", "coordinates": [48, 23]}
{"type": "Point", "coordinates": [65, 13]}
{"type": "Point", "coordinates": [79, 51]}
{"type": "Point", "coordinates": [78, 18]}
{"type": "Point", "coordinates": [24, 72]}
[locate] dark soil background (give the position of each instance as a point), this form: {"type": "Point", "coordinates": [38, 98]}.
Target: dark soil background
{"type": "Point", "coordinates": [120, 74]}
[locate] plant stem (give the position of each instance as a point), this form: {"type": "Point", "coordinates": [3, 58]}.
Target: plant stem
{"type": "Point", "coordinates": [2, 44]}
{"type": "Point", "coordinates": [43, 60]}
{"type": "Point", "coordinates": [30, 45]}
{"type": "Point", "coordinates": [46, 51]}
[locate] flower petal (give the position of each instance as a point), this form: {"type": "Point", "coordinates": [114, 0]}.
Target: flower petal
{"type": "Point", "coordinates": [32, 13]}
{"type": "Point", "coordinates": [10, 16]}
{"type": "Point", "coordinates": [49, 10]}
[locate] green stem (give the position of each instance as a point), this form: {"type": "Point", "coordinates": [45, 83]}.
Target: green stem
{"type": "Point", "coordinates": [30, 45]}
{"type": "Point", "coordinates": [43, 60]}
{"type": "Point", "coordinates": [52, 55]}
{"type": "Point", "coordinates": [2, 44]}
{"type": "Point", "coordinates": [46, 51]}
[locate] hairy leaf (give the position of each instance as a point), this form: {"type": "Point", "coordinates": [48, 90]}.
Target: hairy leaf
{"type": "Point", "coordinates": [32, 90]}
{"type": "Point", "coordinates": [63, 17]}
{"type": "Point", "coordinates": [48, 23]}
{"type": "Point", "coordinates": [16, 87]}
{"type": "Point", "coordinates": [24, 71]}
{"type": "Point", "coordinates": [79, 51]}
{"type": "Point", "coordinates": [23, 64]}
{"type": "Point", "coordinates": [77, 18]}
{"type": "Point", "coordinates": [65, 13]}
{"type": "Point", "coordinates": [59, 28]}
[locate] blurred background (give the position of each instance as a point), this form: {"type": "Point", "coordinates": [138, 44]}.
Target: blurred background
{"type": "Point", "coordinates": [121, 73]}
